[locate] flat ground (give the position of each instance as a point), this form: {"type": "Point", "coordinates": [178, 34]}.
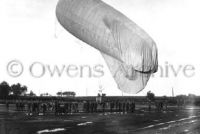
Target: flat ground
{"type": "Point", "coordinates": [172, 121]}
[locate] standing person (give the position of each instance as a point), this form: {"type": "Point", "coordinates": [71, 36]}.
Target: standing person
{"type": "Point", "coordinates": [165, 103]}
{"type": "Point", "coordinates": [92, 107]}
{"type": "Point", "coordinates": [120, 106]}
{"type": "Point", "coordinates": [56, 107]}
{"type": "Point", "coordinates": [17, 105]}
{"type": "Point", "coordinates": [33, 108]}
{"type": "Point", "coordinates": [7, 105]}
{"type": "Point", "coordinates": [84, 106]}
{"type": "Point", "coordinates": [104, 105]}
{"type": "Point", "coordinates": [114, 106]}
{"type": "Point", "coordinates": [44, 108]}
{"type": "Point", "coordinates": [62, 108]}
{"type": "Point", "coordinates": [29, 108]}
{"type": "Point", "coordinates": [38, 107]}
{"type": "Point", "coordinates": [111, 106]}
{"type": "Point", "coordinates": [127, 106]}
{"type": "Point", "coordinates": [66, 108]}
{"type": "Point", "coordinates": [51, 106]}
{"type": "Point", "coordinates": [95, 107]}
{"type": "Point", "coordinates": [87, 107]}
{"type": "Point", "coordinates": [117, 106]}
{"type": "Point", "coordinates": [123, 107]}
{"type": "Point", "coordinates": [76, 107]}
{"type": "Point", "coordinates": [133, 107]}
{"type": "Point", "coordinates": [22, 105]}
{"type": "Point", "coordinates": [70, 107]}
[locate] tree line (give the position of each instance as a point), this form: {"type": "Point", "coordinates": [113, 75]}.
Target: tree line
{"type": "Point", "coordinates": [21, 90]}
{"type": "Point", "coordinates": [11, 90]}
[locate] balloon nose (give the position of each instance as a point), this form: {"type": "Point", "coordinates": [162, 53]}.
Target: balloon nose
{"type": "Point", "coordinates": [129, 72]}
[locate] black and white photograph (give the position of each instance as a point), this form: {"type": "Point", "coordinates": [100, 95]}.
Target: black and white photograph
{"type": "Point", "coordinates": [99, 67]}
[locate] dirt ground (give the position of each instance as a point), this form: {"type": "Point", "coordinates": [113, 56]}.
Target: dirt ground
{"type": "Point", "coordinates": [173, 121]}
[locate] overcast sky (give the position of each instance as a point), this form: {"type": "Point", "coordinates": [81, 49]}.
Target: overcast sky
{"type": "Point", "coordinates": [30, 33]}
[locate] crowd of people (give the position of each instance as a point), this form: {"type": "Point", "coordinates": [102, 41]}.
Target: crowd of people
{"type": "Point", "coordinates": [37, 107]}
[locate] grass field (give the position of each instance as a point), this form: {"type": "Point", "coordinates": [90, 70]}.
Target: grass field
{"type": "Point", "coordinates": [182, 121]}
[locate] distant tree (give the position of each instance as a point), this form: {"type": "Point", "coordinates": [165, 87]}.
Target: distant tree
{"type": "Point", "coordinates": [150, 98]}
{"type": "Point", "coordinates": [59, 93]}
{"type": "Point", "coordinates": [24, 89]}
{"type": "Point", "coordinates": [191, 95]}
{"type": "Point", "coordinates": [18, 89]}
{"type": "Point", "coordinates": [98, 94]}
{"type": "Point", "coordinates": [32, 93]}
{"type": "Point", "coordinates": [69, 94]}
{"type": "Point", "coordinates": [45, 94]}
{"type": "Point", "coordinates": [5, 89]}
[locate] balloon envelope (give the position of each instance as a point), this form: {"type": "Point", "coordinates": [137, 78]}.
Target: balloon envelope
{"type": "Point", "coordinates": [130, 53]}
